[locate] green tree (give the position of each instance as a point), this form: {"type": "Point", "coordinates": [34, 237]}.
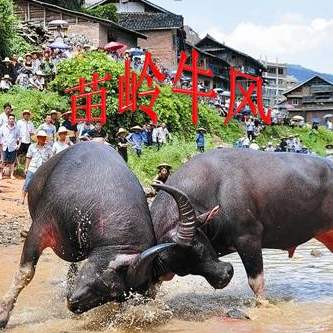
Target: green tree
{"type": "Point", "coordinates": [7, 27]}
{"type": "Point", "coordinates": [108, 11]}
{"type": "Point", "coordinates": [72, 4]}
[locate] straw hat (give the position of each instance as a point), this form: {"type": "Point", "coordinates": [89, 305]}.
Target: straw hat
{"type": "Point", "coordinates": [164, 165]}
{"type": "Point", "coordinates": [136, 128]}
{"type": "Point", "coordinates": [6, 60]}
{"type": "Point", "coordinates": [201, 129]}
{"type": "Point", "coordinates": [329, 146]}
{"type": "Point", "coordinates": [66, 113]}
{"type": "Point", "coordinates": [62, 129]}
{"type": "Point", "coordinates": [41, 133]}
{"type": "Point", "coordinates": [26, 112]}
{"type": "Point", "coordinates": [28, 55]}
{"type": "Point", "coordinates": [54, 111]}
{"type": "Point", "coordinates": [120, 131]}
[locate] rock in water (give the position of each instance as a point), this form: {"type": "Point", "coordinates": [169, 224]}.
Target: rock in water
{"type": "Point", "coordinates": [237, 314]}
{"type": "Point", "coordinates": [316, 253]}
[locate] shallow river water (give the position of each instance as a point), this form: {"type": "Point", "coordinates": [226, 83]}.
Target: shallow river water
{"type": "Point", "coordinates": [300, 291]}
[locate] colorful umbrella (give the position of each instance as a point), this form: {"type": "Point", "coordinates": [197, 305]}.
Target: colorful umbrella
{"type": "Point", "coordinates": [59, 45]}
{"type": "Point", "coordinates": [114, 46]}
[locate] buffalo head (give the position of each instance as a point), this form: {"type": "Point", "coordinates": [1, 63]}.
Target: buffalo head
{"type": "Point", "coordinates": [194, 253]}
{"type": "Point", "coordinates": [103, 280]}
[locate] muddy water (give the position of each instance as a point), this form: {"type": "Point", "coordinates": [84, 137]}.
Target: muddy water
{"type": "Point", "coordinates": [300, 291]}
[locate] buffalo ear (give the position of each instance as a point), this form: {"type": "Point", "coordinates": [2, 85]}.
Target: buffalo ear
{"type": "Point", "coordinates": [208, 216]}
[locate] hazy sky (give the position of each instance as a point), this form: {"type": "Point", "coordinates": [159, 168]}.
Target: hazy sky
{"type": "Point", "coordinates": [293, 31]}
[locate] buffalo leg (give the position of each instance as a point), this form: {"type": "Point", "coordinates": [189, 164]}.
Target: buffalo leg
{"type": "Point", "coordinates": [249, 249]}
{"type": "Point", "coordinates": [30, 255]}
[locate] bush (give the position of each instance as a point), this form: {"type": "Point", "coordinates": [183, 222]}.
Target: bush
{"type": "Point", "coordinates": [173, 109]}
{"type": "Point", "coordinates": [7, 27]}
{"type": "Point", "coordinates": [38, 102]}
{"type": "Point", "coordinates": [108, 12]}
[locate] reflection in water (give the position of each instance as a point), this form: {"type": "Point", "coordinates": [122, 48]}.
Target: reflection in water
{"type": "Point", "coordinates": [300, 291]}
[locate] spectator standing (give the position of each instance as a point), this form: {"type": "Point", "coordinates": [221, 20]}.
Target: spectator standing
{"type": "Point", "coordinates": [164, 134]}
{"type": "Point", "coordinates": [7, 110]}
{"type": "Point", "coordinates": [10, 140]}
{"type": "Point", "coordinates": [35, 62]}
{"type": "Point", "coordinates": [250, 128]}
{"type": "Point", "coordinates": [47, 67]}
{"type": "Point", "coordinates": [135, 139]}
{"type": "Point", "coordinates": [6, 83]}
{"type": "Point", "coordinates": [7, 68]}
{"type": "Point", "coordinates": [62, 143]}
{"type": "Point", "coordinates": [49, 129]}
{"type": "Point", "coordinates": [27, 129]}
{"type": "Point", "coordinates": [144, 135]}
{"type": "Point", "coordinates": [150, 128]}
{"type": "Point", "coordinates": [28, 64]}
{"type": "Point", "coordinates": [200, 139]}
{"type": "Point", "coordinates": [122, 143]}
{"type": "Point", "coordinates": [38, 153]}
{"type": "Point", "coordinates": [55, 118]}
{"type": "Point", "coordinates": [70, 127]}
{"type": "Point", "coordinates": [17, 66]}
{"type": "Point", "coordinates": [84, 128]}
{"type": "Point", "coordinates": [155, 137]}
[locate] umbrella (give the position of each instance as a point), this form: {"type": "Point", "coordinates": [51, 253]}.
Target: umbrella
{"type": "Point", "coordinates": [289, 107]}
{"type": "Point", "coordinates": [226, 93]}
{"type": "Point", "coordinates": [328, 116]}
{"type": "Point", "coordinates": [59, 45]}
{"type": "Point", "coordinates": [62, 23]}
{"type": "Point", "coordinates": [135, 52]}
{"type": "Point", "coordinates": [316, 120]}
{"type": "Point", "coordinates": [114, 46]}
{"type": "Point", "coordinates": [298, 118]}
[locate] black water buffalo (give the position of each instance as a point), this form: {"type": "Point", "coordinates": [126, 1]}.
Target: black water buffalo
{"type": "Point", "coordinates": [86, 204]}
{"type": "Point", "coordinates": [266, 200]}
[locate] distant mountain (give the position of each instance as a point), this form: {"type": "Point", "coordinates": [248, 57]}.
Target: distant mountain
{"type": "Point", "coordinates": [303, 74]}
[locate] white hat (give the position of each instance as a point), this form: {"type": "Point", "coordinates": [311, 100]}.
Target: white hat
{"type": "Point", "coordinates": [6, 77]}
{"type": "Point", "coordinates": [39, 73]}
{"type": "Point", "coordinates": [62, 129]}
{"type": "Point", "coordinates": [6, 60]}
{"type": "Point", "coordinates": [41, 133]}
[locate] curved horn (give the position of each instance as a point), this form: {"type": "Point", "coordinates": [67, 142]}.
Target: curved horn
{"type": "Point", "coordinates": [188, 218]}
{"type": "Point", "coordinates": [139, 271]}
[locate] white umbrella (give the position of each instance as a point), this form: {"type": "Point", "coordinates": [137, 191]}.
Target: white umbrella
{"type": "Point", "coordinates": [298, 118]}
{"type": "Point", "coordinates": [62, 23]}
{"type": "Point", "coordinates": [328, 116]}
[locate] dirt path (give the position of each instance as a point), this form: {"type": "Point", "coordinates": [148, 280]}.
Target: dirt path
{"type": "Point", "coordinates": [14, 217]}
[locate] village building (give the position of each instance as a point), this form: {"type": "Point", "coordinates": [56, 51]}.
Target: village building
{"type": "Point", "coordinates": [99, 31]}
{"type": "Point", "coordinates": [164, 29]}
{"type": "Point", "coordinates": [276, 82]}
{"type": "Point", "coordinates": [234, 58]}
{"type": "Point", "coordinates": [311, 99]}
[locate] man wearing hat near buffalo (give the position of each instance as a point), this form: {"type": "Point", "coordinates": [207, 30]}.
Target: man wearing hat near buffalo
{"type": "Point", "coordinates": [163, 173]}
{"type": "Point", "coordinates": [136, 140]}
{"type": "Point", "coordinates": [200, 139]}
{"type": "Point", "coordinates": [49, 129]}
{"type": "Point", "coordinates": [122, 143]}
{"type": "Point", "coordinates": [27, 129]}
{"type": "Point", "coordinates": [62, 143]}
{"type": "Point", "coordinates": [38, 153]}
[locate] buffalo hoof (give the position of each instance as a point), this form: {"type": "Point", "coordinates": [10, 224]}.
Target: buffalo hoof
{"type": "Point", "coordinates": [237, 314]}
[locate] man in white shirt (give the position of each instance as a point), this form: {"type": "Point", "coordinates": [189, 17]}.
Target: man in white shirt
{"type": "Point", "coordinates": [10, 139]}
{"type": "Point", "coordinates": [164, 134]}
{"type": "Point", "coordinates": [7, 109]}
{"type": "Point", "coordinates": [27, 129]}
{"type": "Point", "coordinates": [63, 142]}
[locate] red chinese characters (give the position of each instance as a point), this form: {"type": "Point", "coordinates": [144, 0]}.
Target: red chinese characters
{"type": "Point", "coordinates": [129, 85]}
{"type": "Point", "coordinates": [255, 86]}
{"type": "Point", "coordinates": [194, 91]}
{"type": "Point", "coordinates": [88, 98]}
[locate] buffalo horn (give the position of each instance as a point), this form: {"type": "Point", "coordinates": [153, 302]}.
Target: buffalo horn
{"type": "Point", "coordinates": [188, 219]}
{"type": "Point", "coordinates": [142, 267]}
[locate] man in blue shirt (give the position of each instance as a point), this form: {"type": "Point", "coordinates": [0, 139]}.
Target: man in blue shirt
{"type": "Point", "coordinates": [136, 140]}
{"type": "Point", "coordinates": [200, 139]}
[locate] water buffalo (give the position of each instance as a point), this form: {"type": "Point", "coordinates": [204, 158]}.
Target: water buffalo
{"type": "Point", "coordinates": [266, 200]}
{"type": "Point", "coordinates": [86, 204]}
